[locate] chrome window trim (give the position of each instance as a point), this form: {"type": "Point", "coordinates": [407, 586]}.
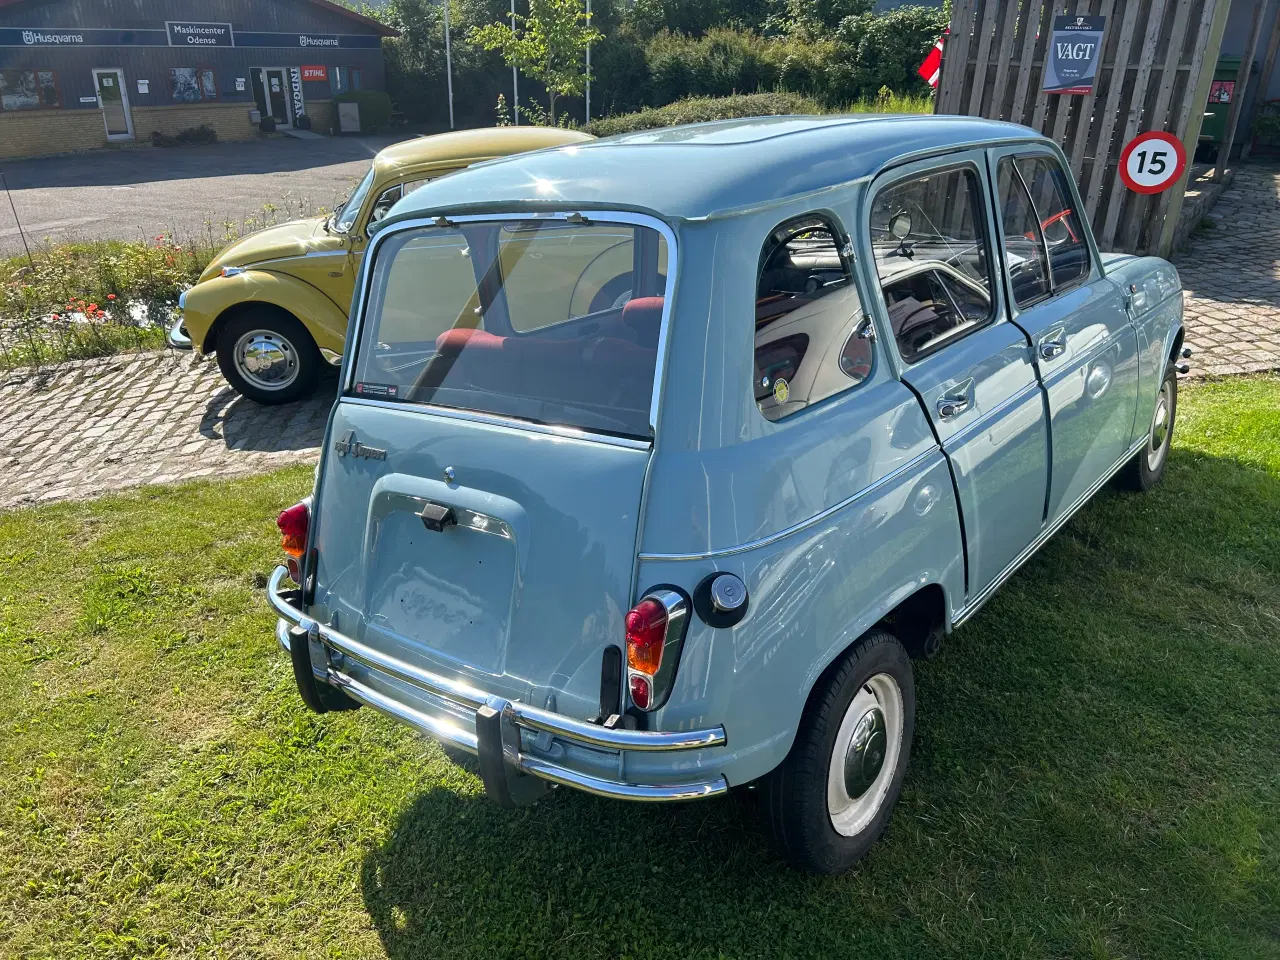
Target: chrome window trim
{"type": "Point", "coordinates": [361, 300]}
{"type": "Point", "coordinates": [496, 420]}
{"type": "Point", "coordinates": [765, 541]}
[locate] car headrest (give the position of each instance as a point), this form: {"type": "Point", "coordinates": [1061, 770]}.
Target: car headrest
{"type": "Point", "coordinates": [452, 341]}
{"type": "Point", "coordinates": [642, 309]}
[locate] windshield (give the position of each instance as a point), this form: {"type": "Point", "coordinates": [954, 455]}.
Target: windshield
{"type": "Point", "coordinates": [544, 321]}
{"type": "Point", "coordinates": [345, 216]}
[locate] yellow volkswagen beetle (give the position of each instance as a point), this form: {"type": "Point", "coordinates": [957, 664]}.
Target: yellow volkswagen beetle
{"type": "Point", "coordinates": [273, 305]}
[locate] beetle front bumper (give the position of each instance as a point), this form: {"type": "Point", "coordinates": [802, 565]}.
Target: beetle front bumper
{"type": "Point", "coordinates": [512, 773]}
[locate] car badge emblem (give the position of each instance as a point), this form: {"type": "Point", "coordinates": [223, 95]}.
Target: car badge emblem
{"type": "Point", "coordinates": [350, 445]}
{"type": "Point", "coordinates": [780, 390]}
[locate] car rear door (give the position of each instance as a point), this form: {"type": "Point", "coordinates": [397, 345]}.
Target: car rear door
{"type": "Point", "coordinates": [479, 499]}
{"type": "Point", "coordinates": [1085, 346]}
{"type": "Point", "coordinates": [931, 227]}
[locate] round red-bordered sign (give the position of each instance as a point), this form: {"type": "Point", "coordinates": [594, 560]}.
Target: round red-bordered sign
{"type": "Point", "coordinates": [1152, 162]}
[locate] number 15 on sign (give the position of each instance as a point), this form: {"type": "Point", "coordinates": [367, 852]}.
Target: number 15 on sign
{"type": "Point", "coordinates": [1152, 162]}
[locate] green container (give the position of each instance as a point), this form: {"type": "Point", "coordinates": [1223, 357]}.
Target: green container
{"type": "Point", "coordinates": [1215, 118]}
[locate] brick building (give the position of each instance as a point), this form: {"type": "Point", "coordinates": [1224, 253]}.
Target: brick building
{"type": "Point", "coordinates": [78, 74]}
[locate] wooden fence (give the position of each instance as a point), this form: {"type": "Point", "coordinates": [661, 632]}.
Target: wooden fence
{"type": "Point", "coordinates": [1158, 58]}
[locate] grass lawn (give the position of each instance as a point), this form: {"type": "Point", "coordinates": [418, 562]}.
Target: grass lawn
{"type": "Point", "coordinates": [1096, 769]}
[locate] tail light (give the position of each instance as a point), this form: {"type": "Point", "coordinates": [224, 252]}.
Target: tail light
{"type": "Point", "coordinates": [655, 633]}
{"type": "Point", "coordinates": [294, 524]}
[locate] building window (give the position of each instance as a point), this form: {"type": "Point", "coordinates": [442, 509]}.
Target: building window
{"type": "Point", "coordinates": [343, 79]}
{"type": "Point", "coordinates": [193, 84]}
{"type": "Point", "coordinates": [29, 90]}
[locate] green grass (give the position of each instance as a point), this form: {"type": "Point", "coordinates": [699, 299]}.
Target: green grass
{"type": "Point", "coordinates": [1096, 769]}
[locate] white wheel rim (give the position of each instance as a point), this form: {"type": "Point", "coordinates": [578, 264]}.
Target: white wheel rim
{"type": "Point", "coordinates": [1158, 438]}
{"type": "Point", "coordinates": [857, 779]}
{"type": "Point", "coordinates": [266, 359]}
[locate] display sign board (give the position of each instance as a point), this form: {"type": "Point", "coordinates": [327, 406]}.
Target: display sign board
{"type": "Point", "coordinates": [181, 34]}
{"type": "Point", "coordinates": [1075, 50]}
{"type": "Point", "coordinates": [295, 87]}
{"type": "Point", "coordinates": [1221, 91]}
{"type": "Point", "coordinates": [315, 73]}
{"type": "Point", "coordinates": [185, 34]}
{"type": "Point", "coordinates": [1152, 162]}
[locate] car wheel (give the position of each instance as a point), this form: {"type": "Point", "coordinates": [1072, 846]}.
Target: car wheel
{"type": "Point", "coordinates": [268, 356]}
{"type": "Point", "coordinates": [1145, 470]}
{"type": "Point", "coordinates": [832, 797]}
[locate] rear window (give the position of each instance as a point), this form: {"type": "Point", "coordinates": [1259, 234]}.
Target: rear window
{"type": "Point", "coordinates": [552, 322]}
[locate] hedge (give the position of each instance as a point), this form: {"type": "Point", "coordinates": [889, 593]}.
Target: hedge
{"type": "Point", "coordinates": [699, 109]}
{"type": "Point", "coordinates": [375, 108]}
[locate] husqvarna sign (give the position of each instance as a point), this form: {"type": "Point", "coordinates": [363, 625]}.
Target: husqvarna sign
{"type": "Point", "coordinates": [1075, 50]}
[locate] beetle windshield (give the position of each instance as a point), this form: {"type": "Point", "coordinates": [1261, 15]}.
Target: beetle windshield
{"type": "Point", "coordinates": [345, 217]}
{"type": "Point", "coordinates": [541, 320]}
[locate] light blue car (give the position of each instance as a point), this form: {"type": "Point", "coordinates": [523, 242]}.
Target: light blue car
{"type": "Point", "coordinates": [658, 459]}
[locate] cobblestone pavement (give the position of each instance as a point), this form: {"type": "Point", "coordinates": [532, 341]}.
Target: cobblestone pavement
{"type": "Point", "coordinates": [1231, 277]}
{"type": "Point", "coordinates": [101, 425]}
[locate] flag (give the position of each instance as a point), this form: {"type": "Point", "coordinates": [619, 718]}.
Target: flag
{"type": "Point", "coordinates": [932, 65]}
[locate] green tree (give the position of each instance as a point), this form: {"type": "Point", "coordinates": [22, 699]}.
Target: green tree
{"type": "Point", "coordinates": [549, 45]}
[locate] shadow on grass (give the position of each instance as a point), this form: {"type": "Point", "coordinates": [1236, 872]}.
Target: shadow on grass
{"type": "Point", "coordinates": [1090, 776]}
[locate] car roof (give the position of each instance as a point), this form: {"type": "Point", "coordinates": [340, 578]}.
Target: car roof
{"type": "Point", "coordinates": [470, 145]}
{"type": "Point", "coordinates": [707, 169]}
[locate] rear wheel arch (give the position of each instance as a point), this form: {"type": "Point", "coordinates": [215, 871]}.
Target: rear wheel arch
{"type": "Point", "coordinates": [920, 621]}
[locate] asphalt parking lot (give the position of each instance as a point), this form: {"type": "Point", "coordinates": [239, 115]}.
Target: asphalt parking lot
{"type": "Point", "coordinates": [137, 192]}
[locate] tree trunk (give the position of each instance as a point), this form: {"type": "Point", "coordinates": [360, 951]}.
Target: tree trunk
{"type": "Point", "coordinates": [552, 97]}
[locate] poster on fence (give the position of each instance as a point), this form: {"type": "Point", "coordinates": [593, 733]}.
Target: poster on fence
{"type": "Point", "coordinates": [1075, 49]}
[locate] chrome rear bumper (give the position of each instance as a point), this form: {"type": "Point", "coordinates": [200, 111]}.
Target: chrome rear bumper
{"type": "Point", "coordinates": [508, 770]}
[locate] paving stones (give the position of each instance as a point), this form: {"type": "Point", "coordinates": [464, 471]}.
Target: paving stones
{"type": "Point", "coordinates": [1231, 278]}
{"type": "Point", "coordinates": [90, 427]}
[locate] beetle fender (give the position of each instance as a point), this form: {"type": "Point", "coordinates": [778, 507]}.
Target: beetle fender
{"type": "Point", "coordinates": [208, 302]}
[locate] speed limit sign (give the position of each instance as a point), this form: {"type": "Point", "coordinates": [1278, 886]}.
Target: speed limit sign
{"type": "Point", "coordinates": [1152, 162]}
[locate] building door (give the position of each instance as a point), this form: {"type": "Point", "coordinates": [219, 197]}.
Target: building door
{"type": "Point", "coordinates": [113, 98]}
{"type": "Point", "coordinates": [271, 90]}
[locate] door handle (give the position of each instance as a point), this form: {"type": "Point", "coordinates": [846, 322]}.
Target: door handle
{"type": "Point", "coordinates": [1049, 349]}
{"type": "Point", "coordinates": [949, 407]}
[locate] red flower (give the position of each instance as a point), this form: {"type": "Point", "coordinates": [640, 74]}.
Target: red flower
{"type": "Point", "coordinates": [93, 307]}
{"type": "Point", "coordinates": [111, 296]}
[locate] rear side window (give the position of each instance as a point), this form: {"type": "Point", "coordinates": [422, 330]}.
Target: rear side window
{"type": "Point", "coordinates": [538, 320]}
{"type": "Point", "coordinates": [933, 259]}
{"type": "Point", "coordinates": [1057, 219]}
{"type": "Point", "coordinates": [1024, 250]}
{"type": "Point", "coordinates": [808, 317]}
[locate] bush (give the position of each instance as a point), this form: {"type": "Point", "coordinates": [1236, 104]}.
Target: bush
{"type": "Point", "coordinates": [375, 108]}
{"type": "Point", "coordinates": [700, 109]}
{"type": "Point", "coordinates": [267, 124]}
{"type": "Point", "coordinates": [885, 50]}
{"type": "Point", "coordinates": [201, 134]}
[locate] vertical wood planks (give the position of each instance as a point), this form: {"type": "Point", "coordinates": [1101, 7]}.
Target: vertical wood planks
{"type": "Point", "coordinates": [1264, 79]}
{"type": "Point", "coordinates": [1242, 87]}
{"type": "Point", "coordinates": [1152, 75]}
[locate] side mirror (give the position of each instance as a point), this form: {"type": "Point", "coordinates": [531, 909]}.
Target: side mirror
{"type": "Point", "coordinates": [900, 225]}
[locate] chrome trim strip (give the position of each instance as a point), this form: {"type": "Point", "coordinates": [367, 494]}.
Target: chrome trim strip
{"type": "Point", "coordinates": [526, 715]}
{"type": "Point", "coordinates": [968, 610]}
{"type": "Point", "coordinates": [888, 478]}
{"type": "Point", "coordinates": [361, 296]}
{"type": "Point", "coordinates": [472, 416]}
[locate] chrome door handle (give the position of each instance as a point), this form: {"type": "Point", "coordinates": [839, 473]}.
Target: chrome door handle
{"type": "Point", "coordinates": [949, 407]}
{"type": "Point", "coordinates": [1052, 348]}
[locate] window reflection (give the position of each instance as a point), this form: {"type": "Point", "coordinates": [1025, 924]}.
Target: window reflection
{"type": "Point", "coordinates": [807, 318]}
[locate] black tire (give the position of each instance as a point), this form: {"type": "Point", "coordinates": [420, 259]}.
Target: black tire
{"type": "Point", "coordinates": [299, 363]}
{"type": "Point", "coordinates": [795, 795]}
{"type": "Point", "coordinates": [1146, 468]}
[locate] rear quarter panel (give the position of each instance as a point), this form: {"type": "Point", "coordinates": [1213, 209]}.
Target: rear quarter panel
{"type": "Point", "coordinates": [1154, 291]}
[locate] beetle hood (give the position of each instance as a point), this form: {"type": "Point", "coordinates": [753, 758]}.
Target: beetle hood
{"type": "Point", "coordinates": [294, 239]}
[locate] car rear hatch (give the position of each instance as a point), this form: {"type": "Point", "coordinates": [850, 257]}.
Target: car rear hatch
{"type": "Point", "coordinates": [478, 502]}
